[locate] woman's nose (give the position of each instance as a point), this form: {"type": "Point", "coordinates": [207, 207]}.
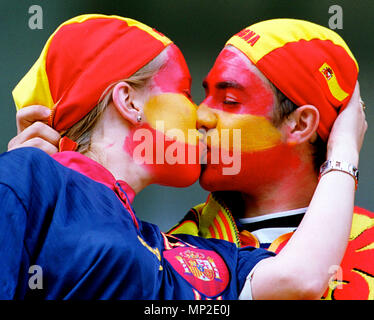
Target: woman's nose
{"type": "Point", "coordinates": [206, 118]}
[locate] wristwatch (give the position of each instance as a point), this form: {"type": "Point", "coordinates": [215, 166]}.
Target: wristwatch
{"type": "Point", "coordinates": [335, 165]}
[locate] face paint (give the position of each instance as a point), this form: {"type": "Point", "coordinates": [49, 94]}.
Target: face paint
{"type": "Point", "coordinates": [258, 170]}
{"type": "Point", "coordinates": [239, 97]}
{"type": "Point", "coordinates": [174, 76]}
{"type": "Point", "coordinates": [257, 132]}
{"type": "Point", "coordinates": [234, 85]}
{"type": "Point", "coordinates": [167, 141]}
{"type": "Point", "coordinates": [170, 162]}
{"type": "Point", "coordinates": [175, 111]}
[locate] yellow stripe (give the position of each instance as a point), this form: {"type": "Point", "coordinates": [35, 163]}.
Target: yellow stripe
{"type": "Point", "coordinates": [34, 86]}
{"type": "Point", "coordinates": [367, 247]}
{"type": "Point", "coordinates": [257, 133]}
{"type": "Point", "coordinates": [360, 223]}
{"type": "Point", "coordinates": [333, 84]}
{"type": "Point", "coordinates": [274, 34]}
{"type": "Point", "coordinates": [177, 123]}
{"type": "Point", "coordinates": [216, 234]}
{"type": "Point", "coordinates": [223, 228]}
{"type": "Point", "coordinates": [186, 227]}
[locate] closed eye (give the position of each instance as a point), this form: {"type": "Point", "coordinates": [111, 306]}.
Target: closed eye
{"type": "Point", "coordinates": [230, 102]}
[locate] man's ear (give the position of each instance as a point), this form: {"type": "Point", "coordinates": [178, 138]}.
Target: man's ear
{"type": "Point", "coordinates": [123, 96]}
{"type": "Point", "coordinates": [301, 125]}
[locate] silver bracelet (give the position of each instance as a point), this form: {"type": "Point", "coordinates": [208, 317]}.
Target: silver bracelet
{"type": "Point", "coordinates": [335, 165]}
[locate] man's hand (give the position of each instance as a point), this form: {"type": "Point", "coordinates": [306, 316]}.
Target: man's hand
{"type": "Point", "coordinates": [347, 134]}
{"type": "Point", "coordinates": [33, 130]}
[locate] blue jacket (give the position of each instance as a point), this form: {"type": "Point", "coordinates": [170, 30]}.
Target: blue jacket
{"type": "Point", "coordinates": [85, 239]}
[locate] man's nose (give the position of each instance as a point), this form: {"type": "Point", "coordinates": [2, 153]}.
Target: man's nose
{"type": "Point", "coordinates": [206, 117]}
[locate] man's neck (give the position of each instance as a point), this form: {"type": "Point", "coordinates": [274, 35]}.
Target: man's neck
{"type": "Point", "coordinates": [291, 192]}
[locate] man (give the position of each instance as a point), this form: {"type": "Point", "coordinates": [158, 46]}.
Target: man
{"type": "Point", "coordinates": [282, 83]}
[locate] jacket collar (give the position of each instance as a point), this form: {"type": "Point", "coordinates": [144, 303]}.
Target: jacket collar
{"type": "Point", "coordinates": [93, 170]}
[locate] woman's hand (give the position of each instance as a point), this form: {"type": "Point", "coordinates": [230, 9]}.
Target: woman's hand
{"type": "Point", "coordinates": [33, 130]}
{"type": "Point", "coordinates": [347, 134]}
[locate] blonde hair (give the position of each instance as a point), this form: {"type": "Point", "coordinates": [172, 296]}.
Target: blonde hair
{"type": "Point", "coordinates": [82, 131]}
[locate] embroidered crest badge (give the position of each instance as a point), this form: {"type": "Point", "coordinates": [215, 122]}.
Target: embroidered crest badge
{"type": "Point", "coordinates": [328, 73]}
{"type": "Point", "coordinates": [205, 270]}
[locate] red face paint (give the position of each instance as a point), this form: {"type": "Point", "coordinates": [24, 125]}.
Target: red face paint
{"type": "Point", "coordinates": [155, 152]}
{"type": "Point", "coordinates": [235, 85]}
{"type": "Point", "coordinates": [239, 97]}
{"type": "Point", "coordinates": [174, 76]}
{"type": "Point", "coordinates": [258, 169]}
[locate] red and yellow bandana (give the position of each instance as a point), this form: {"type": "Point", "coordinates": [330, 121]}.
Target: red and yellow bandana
{"type": "Point", "coordinates": [309, 63]}
{"type": "Point", "coordinates": [81, 59]}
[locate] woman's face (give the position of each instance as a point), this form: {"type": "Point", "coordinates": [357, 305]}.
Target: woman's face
{"type": "Point", "coordinates": [166, 143]}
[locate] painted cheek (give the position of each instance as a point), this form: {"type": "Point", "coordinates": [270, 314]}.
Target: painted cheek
{"type": "Point", "coordinates": [256, 132]}
{"type": "Point", "coordinates": [257, 169]}
{"type": "Point", "coordinates": [170, 163]}
{"type": "Point", "coordinates": [166, 144]}
{"type": "Point", "coordinates": [259, 146]}
{"type": "Point", "coordinates": [248, 133]}
{"type": "Point", "coordinates": [174, 113]}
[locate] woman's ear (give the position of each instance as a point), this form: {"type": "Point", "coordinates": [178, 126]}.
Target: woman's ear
{"type": "Point", "coordinates": [123, 96]}
{"type": "Point", "coordinates": [301, 125]}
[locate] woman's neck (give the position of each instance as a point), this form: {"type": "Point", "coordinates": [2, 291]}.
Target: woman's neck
{"type": "Point", "coordinates": [107, 148]}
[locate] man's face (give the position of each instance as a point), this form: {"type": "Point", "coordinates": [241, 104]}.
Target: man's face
{"type": "Point", "coordinates": [238, 96]}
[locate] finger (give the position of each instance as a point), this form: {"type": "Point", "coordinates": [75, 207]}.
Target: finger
{"type": "Point", "coordinates": [37, 130]}
{"type": "Point", "coordinates": [37, 143]}
{"type": "Point", "coordinates": [28, 115]}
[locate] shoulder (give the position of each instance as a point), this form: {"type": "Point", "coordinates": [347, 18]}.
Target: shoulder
{"type": "Point", "coordinates": [23, 158]}
{"type": "Point", "coordinates": [29, 171]}
{"type": "Point", "coordinates": [27, 163]}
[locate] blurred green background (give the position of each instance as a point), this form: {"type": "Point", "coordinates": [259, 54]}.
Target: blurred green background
{"type": "Point", "coordinates": [200, 28]}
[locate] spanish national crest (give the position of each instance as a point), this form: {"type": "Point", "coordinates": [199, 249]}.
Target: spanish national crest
{"type": "Point", "coordinates": [328, 73]}
{"type": "Point", "coordinates": [201, 266]}
{"type": "Point", "coordinates": [205, 270]}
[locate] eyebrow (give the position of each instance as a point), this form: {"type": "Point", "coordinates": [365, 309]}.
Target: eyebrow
{"type": "Point", "coordinates": [225, 85]}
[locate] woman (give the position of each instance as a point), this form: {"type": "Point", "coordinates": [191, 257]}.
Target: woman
{"type": "Point", "coordinates": [62, 213]}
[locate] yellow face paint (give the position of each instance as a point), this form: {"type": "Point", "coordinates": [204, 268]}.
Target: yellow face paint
{"type": "Point", "coordinates": [175, 114]}
{"type": "Point", "coordinates": [257, 133]}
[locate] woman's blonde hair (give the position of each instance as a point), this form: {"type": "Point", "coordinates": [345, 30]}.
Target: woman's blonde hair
{"type": "Point", "coordinates": [81, 132]}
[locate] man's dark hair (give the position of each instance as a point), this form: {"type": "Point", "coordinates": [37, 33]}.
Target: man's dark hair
{"type": "Point", "coordinates": [282, 109]}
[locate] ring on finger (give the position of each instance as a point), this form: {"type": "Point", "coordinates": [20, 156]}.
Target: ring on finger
{"type": "Point", "coordinates": [363, 105]}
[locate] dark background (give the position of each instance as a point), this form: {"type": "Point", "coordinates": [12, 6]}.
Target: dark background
{"type": "Point", "coordinates": [200, 28]}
